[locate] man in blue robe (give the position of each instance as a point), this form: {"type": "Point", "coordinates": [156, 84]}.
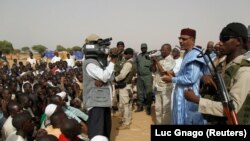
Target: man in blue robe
{"type": "Point", "coordinates": [191, 71]}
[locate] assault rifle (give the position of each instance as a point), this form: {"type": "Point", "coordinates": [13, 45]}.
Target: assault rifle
{"type": "Point", "coordinates": [227, 103]}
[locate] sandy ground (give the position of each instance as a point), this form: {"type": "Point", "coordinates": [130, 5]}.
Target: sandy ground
{"type": "Point", "coordinates": [139, 129]}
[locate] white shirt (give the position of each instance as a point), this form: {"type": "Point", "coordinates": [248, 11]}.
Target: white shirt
{"type": "Point", "coordinates": [8, 128]}
{"type": "Point", "coordinates": [31, 61]}
{"type": "Point", "coordinates": [98, 73]}
{"type": "Point", "coordinates": [55, 59]}
{"type": "Point", "coordinates": [167, 64]}
{"type": "Point", "coordinates": [70, 62]}
{"type": "Point", "coordinates": [14, 137]}
{"type": "Point", "coordinates": [72, 57]}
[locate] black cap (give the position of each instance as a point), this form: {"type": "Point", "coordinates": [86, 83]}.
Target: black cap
{"type": "Point", "coordinates": [144, 45]}
{"type": "Point", "coordinates": [129, 51]}
{"type": "Point", "coordinates": [120, 43]}
{"type": "Point", "coordinates": [236, 30]}
{"type": "Point", "coordinates": [249, 31]}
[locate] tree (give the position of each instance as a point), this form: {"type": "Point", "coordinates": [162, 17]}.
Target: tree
{"type": "Point", "coordinates": [60, 48]}
{"type": "Point", "coordinates": [76, 48]}
{"type": "Point", "coordinates": [25, 49]}
{"type": "Point", "coordinates": [16, 51]}
{"type": "Point", "coordinates": [6, 47]}
{"type": "Point", "coordinates": [69, 50]}
{"type": "Point", "coordinates": [39, 48]}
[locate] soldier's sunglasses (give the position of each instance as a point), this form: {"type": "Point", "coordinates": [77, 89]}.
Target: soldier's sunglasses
{"type": "Point", "coordinates": [226, 38]}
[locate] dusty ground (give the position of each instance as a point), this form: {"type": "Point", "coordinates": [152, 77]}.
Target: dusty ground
{"type": "Point", "coordinates": [139, 129]}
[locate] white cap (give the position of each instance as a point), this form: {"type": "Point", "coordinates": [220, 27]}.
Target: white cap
{"type": "Point", "coordinates": [99, 138]}
{"type": "Point", "coordinates": [50, 109]}
{"type": "Point", "coordinates": [62, 94]}
{"type": "Point", "coordinates": [178, 48]}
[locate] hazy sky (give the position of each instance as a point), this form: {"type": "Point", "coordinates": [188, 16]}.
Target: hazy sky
{"type": "Point", "coordinates": [68, 22]}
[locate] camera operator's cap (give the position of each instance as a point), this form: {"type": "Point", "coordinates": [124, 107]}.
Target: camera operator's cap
{"type": "Point", "coordinates": [188, 31]}
{"type": "Point", "coordinates": [235, 30]}
{"type": "Point", "coordinates": [120, 43]}
{"type": "Point", "coordinates": [144, 45]}
{"type": "Point", "coordinates": [92, 37]}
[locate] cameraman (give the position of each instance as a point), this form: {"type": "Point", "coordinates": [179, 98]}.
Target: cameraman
{"type": "Point", "coordinates": [98, 90]}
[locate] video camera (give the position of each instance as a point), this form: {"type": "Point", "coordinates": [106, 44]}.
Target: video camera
{"type": "Point", "coordinates": [97, 50]}
{"type": "Point", "coordinates": [154, 53]}
{"type": "Point", "coordinates": [104, 42]}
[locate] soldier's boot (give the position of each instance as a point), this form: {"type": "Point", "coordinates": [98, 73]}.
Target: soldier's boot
{"type": "Point", "coordinates": [148, 110]}
{"type": "Point", "coordinates": [139, 109]}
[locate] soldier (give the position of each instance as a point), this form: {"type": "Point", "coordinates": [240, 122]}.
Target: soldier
{"type": "Point", "coordinates": [144, 80]}
{"type": "Point", "coordinates": [125, 93]}
{"type": "Point", "coordinates": [121, 46]}
{"type": "Point", "coordinates": [118, 66]}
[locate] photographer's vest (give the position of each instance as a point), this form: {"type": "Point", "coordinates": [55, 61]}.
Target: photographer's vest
{"type": "Point", "coordinates": [130, 75]}
{"type": "Point", "coordinates": [244, 112]}
{"type": "Point", "coordinates": [94, 96]}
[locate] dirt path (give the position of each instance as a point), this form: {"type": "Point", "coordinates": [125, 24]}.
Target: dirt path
{"type": "Point", "coordinates": [139, 129]}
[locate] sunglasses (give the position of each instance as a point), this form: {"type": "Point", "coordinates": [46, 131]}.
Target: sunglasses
{"type": "Point", "coordinates": [226, 38]}
{"type": "Point", "coordinates": [183, 39]}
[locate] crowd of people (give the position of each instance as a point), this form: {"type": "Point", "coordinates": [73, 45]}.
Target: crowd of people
{"type": "Point", "coordinates": [69, 100]}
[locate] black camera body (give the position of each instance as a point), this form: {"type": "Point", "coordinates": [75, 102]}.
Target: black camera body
{"type": "Point", "coordinates": [97, 50]}
{"type": "Point", "coordinates": [104, 42]}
